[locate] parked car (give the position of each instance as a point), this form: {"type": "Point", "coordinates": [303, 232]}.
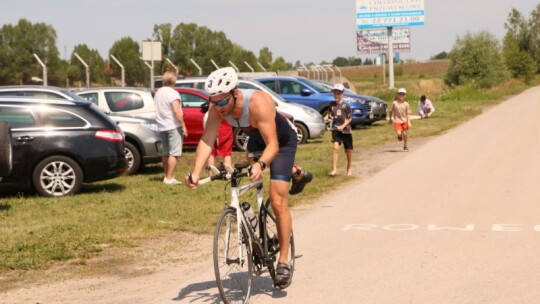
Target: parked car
{"type": "Point", "coordinates": [142, 140]}
{"type": "Point", "coordinates": [314, 95]}
{"type": "Point", "coordinates": [6, 152]}
{"type": "Point", "coordinates": [142, 144]}
{"type": "Point", "coordinates": [309, 123]}
{"type": "Point", "coordinates": [126, 101]}
{"type": "Point", "coordinates": [59, 144]}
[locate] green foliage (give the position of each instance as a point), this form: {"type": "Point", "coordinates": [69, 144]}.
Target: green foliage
{"type": "Point", "coordinates": [281, 65]}
{"type": "Point", "coordinates": [92, 59]}
{"type": "Point", "coordinates": [265, 57]}
{"type": "Point", "coordinates": [476, 59]}
{"type": "Point", "coordinates": [441, 55]}
{"type": "Point", "coordinates": [467, 92]}
{"type": "Point", "coordinates": [19, 43]}
{"type": "Point", "coordinates": [127, 51]}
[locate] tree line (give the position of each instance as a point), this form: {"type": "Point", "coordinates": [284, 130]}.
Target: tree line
{"type": "Point", "coordinates": [186, 41]}
{"type": "Point", "coordinates": [475, 58]}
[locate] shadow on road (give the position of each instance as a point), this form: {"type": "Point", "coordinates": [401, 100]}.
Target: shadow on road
{"type": "Point", "coordinates": [206, 292]}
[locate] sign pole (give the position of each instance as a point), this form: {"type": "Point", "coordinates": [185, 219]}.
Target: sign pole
{"type": "Point", "coordinates": [390, 59]}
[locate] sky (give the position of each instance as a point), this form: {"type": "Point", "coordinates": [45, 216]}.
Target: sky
{"type": "Point", "coordinates": [309, 31]}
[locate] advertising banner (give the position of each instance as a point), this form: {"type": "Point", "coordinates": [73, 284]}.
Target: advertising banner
{"type": "Point", "coordinates": [389, 13]}
{"type": "Point", "coordinates": [375, 41]}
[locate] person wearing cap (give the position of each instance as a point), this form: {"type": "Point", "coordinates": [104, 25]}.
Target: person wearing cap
{"type": "Point", "coordinates": [425, 107]}
{"type": "Point", "coordinates": [341, 115]}
{"type": "Point", "coordinates": [400, 116]}
{"type": "Point", "coordinates": [272, 143]}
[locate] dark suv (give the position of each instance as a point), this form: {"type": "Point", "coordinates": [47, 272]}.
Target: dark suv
{"type": "Point", "coordinates": [59, 144]}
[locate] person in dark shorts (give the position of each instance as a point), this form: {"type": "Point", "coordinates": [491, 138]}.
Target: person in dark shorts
{"type": "Point", "coordinates": [341, 129]}
{"type": "Point", "coordinates": [270, 133]}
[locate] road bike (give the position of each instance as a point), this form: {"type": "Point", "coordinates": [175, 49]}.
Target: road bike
{"type": "Point", "coordinates": [240, 249]}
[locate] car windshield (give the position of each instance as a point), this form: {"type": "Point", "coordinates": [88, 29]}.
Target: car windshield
{"type": "Point", "coordinates": [256, 85]}
{"type": "Point", "coordinates": [317, 87]}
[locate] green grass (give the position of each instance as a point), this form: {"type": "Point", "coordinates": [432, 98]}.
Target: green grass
{"type": "Point", "coordinates": [37, 233]}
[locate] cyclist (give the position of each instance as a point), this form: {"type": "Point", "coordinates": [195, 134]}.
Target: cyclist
{"type": "Point", "coordinates": [270, 132]}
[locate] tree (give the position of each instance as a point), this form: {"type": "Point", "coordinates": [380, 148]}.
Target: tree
{"type": "Point", "coordinates": [281, 65]}
{"type": "Point", "coordinates": [516, 46]}
{"type": "Point", "coordinates": [441, 55]}
{"type": "Point", "coordinates": [92, 59]}
{"type": "Point", "coordinates": [265, 57]}
{"type": "Point", "coordinates": [163, 33]}
{"type": "Point", "coordinates": [190, 41]}
{"type": "Point", "coordinates": [476, 59]}
{"type": "Point", "coordinates": [340, 61]}
{"type": "Point", "coordinates": [19, 43]}
{"type": "Point", "coordinates": [127, 51]}
{"type": "Point", "coordinates": [534, 35]}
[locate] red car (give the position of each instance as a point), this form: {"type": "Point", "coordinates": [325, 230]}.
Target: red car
{"type": "Point", "coordinates": [192, 106]}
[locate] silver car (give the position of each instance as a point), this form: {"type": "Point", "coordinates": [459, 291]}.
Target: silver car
{"type": "Point", "coordinates": [309, 123]}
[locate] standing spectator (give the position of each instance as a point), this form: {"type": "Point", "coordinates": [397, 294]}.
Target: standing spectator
{"type": "Point", "coordinates": [224, 143]}
{"type": "Point", "coordinates": [171, 126]}
{"type": "Point", "coordinates": [341, 129]}
{"type": "Point", "coordinates": [425, 107]}
{"type": "Point", "coordinates": [400, 115]}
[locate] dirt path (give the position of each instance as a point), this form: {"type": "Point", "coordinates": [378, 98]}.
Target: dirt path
{"type": "Point", "coordinates": [158, 266]}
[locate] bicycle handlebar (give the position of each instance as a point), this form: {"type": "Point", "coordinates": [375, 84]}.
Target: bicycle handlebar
{"type": "Point", "coordinates": [224, 172]}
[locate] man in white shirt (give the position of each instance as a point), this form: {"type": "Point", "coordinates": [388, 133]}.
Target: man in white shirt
{"type": "Point", "coordinates": [171, 125]}
{"type": "Point", "coordinates": [425, 107]}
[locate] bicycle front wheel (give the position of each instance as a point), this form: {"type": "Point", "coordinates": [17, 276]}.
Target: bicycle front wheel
{"type": "Point", "coordinates": [233, 272]}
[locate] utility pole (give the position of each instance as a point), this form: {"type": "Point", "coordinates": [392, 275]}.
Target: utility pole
{"type": "Point", "coordinates": [86, 67]}
{"type": "Point", "coordinates": [174, 66]}
{"type": "Point", "coordinates": [252, 70]}
{"type": "Point", "coordinates": [123, 70]}
{"type": "Point", "coordinates": [198, 67]}
{"type": "Point", "coordinates": [44, 69]}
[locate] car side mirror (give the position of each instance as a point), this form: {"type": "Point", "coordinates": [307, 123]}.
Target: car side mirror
{"type": "Point", "coordinates": [204, 107]}
{"type": "Point", "coordinates": [305, 92]}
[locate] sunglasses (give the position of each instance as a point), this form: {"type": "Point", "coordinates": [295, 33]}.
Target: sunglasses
{"type": "Point", "coordinates": [220, 103]}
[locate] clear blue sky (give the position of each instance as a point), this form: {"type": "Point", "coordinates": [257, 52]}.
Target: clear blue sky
{"type": "Point", "coordinates": [305, 30]}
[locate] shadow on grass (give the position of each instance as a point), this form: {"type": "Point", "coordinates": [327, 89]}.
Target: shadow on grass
{"type": "Point", "coordinates": [5, 207]}
{"type": "Point", "coordinates": [95, 188]}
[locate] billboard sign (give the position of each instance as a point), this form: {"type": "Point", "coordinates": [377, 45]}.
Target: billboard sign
{"type": "Point", "coordinates": [375, 41]}
{"type": "Point", "coordinates": [389, 13]}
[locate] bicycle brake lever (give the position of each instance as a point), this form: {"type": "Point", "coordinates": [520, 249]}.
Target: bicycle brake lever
{"type": "Point", "coordinates": [228, 168]}
{"type": "Point", "coordinates": [212, 169]}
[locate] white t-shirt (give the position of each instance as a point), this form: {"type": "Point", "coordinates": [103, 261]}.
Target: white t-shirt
{"type": "Point", "coordinates": [424, 107]}
{"type": "Point", "coordinates": [165, 118]}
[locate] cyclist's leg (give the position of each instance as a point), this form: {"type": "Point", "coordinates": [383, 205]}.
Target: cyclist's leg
{"type": "Point", "coordinates": [280, 204]}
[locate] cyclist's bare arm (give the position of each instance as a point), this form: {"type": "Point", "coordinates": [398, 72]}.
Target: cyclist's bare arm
{"type": "Point", "coordinates": [262, 111]}
{"type": "Point", "coordinates": [204, 148]}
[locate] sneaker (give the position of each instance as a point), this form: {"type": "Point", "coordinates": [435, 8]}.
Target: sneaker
{"type": "Point", "coordinates": [171, 181]}
{"type": "Point", "coordinates": [298, 185]}
{"type": "Point", "coordinates": [282, 279]}
{"type": "Point", "coordinates": [399, 137]}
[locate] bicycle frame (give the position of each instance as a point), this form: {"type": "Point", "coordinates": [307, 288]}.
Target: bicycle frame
{"type": "Point", "coordinates": [234, 175]}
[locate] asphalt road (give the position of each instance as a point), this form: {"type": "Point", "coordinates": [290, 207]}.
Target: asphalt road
{"type": "Point", "coordinates": [454, 221]}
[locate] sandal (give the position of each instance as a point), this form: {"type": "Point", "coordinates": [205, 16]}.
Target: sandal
{"type": "Point", "coordinates": [282, 279]}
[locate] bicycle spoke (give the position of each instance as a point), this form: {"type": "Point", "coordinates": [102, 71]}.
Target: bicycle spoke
{"type": "Point", "coordinates": [233, 276]}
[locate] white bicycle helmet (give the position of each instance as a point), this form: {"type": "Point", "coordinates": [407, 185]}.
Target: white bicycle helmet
{"type": "Point", "coordinates": [221, 81]}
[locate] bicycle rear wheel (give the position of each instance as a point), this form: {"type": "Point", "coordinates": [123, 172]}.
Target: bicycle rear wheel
{"type": "Point", "coordinates": [233, 277]}
{"type": "Point", "coordinates": [271, 241]}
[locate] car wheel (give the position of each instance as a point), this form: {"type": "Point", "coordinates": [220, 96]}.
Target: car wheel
{"type": "Point", "coordinates": [302, 133]}
{"type": "Point", "coordinates": [6, 152]}
{"type": "Point", "coordinates": [57, 176]}
{"type": "Point", "coordinates": [240, 139]}
{"type": "Point", "coordinates": [133, 158]}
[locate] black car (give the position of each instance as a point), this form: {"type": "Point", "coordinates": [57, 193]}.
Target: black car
{"type": "Point", "coordinates": [59, 144]}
